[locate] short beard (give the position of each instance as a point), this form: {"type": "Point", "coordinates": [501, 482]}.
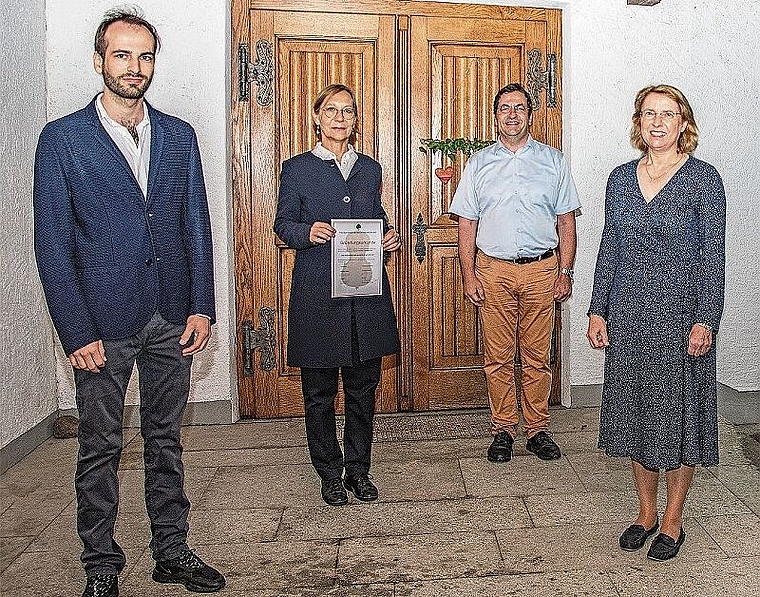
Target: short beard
{"type": "Point", "coordinates": [126, 91]}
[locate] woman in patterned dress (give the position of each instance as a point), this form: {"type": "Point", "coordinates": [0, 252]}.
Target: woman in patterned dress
{"type": "Point", "coordinates": [655, 309]}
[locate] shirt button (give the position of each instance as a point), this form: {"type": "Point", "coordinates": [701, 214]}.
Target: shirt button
{"type": "Point", "coordinates": [346, 199]}
{"type": "Point", "coordinates": [148, 262]}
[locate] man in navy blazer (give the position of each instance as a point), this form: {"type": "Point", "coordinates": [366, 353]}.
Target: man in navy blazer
{"type": "Point", "coordinates": [123, 247]}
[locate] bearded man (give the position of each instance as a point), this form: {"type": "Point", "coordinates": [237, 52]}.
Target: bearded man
{"type": "Point", "coordinates": [123, 247]}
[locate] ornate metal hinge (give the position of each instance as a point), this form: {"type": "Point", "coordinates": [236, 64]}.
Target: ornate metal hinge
{"type": "Point", "coordinates": [260, 72]}
{"type": "Point", "coordinates": [263, 339]}
{"type": "Point", "coordinates": [419, 229]}
{"type": "Point", "coordinates": [542, 79]}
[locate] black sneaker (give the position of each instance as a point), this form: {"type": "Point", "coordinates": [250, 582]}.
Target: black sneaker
{"type": "Point", "coordinates": [361, 487]}
{"type": "Point", "coordinates": [102, 585]}
{"type": "Point", "coordinates": [333, 492]}
{"type": "Point", "coordinates": [500, 449]}
{"type": "Point", "coordinates": [189, 570]}
{"type": "Point", "coordinates": [543, 446]}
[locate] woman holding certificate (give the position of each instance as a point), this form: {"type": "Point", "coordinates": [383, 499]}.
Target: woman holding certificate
{"type": "Point", "coordinates": [331, 195]}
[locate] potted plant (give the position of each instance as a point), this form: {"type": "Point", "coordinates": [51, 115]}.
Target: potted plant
{"type": "Point", "coordinates": [450, 148]}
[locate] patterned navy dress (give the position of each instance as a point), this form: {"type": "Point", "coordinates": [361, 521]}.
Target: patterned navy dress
{"type": "Point", "coordinates": [660, 269]}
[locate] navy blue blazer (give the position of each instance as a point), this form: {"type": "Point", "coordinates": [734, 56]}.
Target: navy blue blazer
{"type": "Point", "coordinates": [319, 327]}
{"type": "Point", "coordinates": [108, 258]}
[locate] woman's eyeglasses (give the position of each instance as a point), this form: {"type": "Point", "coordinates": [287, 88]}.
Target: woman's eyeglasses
{"type": "Point", "coordinates": [667, 115]}
{"type": "Point", "coordinates": [332, 112]}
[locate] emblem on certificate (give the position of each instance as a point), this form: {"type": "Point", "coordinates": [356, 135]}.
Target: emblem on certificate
{"type": "Point", "coordinates": [357, 258]}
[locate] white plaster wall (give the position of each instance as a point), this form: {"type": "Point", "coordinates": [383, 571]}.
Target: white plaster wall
{"type": "Point", "coordinates": [710, 53]}
{"type": "Point", "coordinates": [27, 374]}
{"type": "Point", "coordinates": [190, 82]}
{"type": "Point", "coordinates": [610, 51]}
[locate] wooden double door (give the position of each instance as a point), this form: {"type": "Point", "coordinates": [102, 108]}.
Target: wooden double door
{"type": "Point", "coordinates": [419, 70]}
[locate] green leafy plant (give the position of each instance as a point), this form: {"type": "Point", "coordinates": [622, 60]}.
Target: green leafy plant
{"type": "Point", "coordinates": [451, 147]}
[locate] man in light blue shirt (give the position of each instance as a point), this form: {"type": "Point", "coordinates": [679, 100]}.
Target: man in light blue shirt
{"type": "Point", "coordinates": [516, 204]}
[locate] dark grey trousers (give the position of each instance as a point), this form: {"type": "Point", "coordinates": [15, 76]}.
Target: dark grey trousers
{"type": "Point", "coordinates": [164, 385]}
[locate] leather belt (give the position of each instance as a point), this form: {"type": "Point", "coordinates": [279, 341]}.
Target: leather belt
{"type": "Point", "coordinates": [524, 260]}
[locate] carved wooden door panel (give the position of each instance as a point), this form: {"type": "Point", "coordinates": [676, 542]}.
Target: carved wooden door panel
{"type": "Point", "coordinates": [294, 56]}
{"type": "Point", "coordinates": [458, 65]}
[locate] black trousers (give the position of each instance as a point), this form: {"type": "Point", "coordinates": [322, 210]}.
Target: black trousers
{"type": "Point", "coordinates": [164, 386]}
{"type": "Point", "coordinates": [320, 386]}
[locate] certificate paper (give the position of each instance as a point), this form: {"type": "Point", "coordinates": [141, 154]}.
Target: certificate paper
{"type": "Point", "coordinates": [357, 258]}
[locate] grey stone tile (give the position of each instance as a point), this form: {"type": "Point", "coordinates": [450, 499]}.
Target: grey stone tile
{"type": "Point", "coordinates": [402, 518]}
{"type": "Point", "coordinates": [11, 548]}
{"type": "Point", "coordinates": [742, 480]}
{"type": "Point", "coordinates": [249, 567]}
{"type": "Point", "coordinates": [737, 536]}
{"type": "Point", "coordinates": [52, 573]}
{"type": "Point", "coordinates": [590, 546]}
{"type": "Point", "coordinates": [245, 434]}
{"type": "Point", "coordinates": [582, 508]}
{"type": "Point", "coordinates": [710, 500]}
{"type": "Point", "coordinates": [222, 527]}
{"type": "Point", "coordinates": [235, 488]}
{"type": "Point", "coordinates": [28, 517]}
{"type": "Point", "coordinates": [599, 472]}
{"type": "Point", "coordinates": [576, 442]}
{"type": "Point", "coordinates": [448, 449]}
{"type": "Point", "coordinates": [574, 419]}
{"type": "Point", "coordinates": [582, 583]}
{"type": "Point", "coordinates": [418, 480]}
{"type": "Point", "coordinates": [247, 457]}
{"type": "Point", "coordinates": [687, 577]}
{"type": "Point", "coordinates": [132, 487]}
{"type": "Point", "coordinates": [523, 475]}
{"type": "Point", "coordinates": [417, 557]}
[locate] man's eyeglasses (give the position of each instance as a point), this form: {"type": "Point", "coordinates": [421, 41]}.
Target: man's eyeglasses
{"type": "Point", "coordinates": [666, 116]}
{"type": "Point", "coordinates": [518, 108]}
{"type": "Point", "coordinates": [332, 112]}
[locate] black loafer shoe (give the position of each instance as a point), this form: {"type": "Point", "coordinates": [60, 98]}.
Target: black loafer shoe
{"type": "Point", "coordinates": [664, 547]}
{"type": "Point", "coordinates": [361, 487]}
{"type": "Point", "coordinates": [543, 446]}
{"type": "Point", "coordinates": [102, 585]}
{"type": "Point", "coordinates": [500, 449]}
{"type": "Point", "coordinates": [635, 536]}
{"type": "Point", "coordinates": [189, 570]}
{"type": "Point", "coordinates": [333, 492]}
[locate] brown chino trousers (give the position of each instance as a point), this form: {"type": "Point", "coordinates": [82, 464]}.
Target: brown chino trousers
{"type": "Point", "coordinates": [519, 303]}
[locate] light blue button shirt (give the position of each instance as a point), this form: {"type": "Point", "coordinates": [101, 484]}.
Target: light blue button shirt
{"type": "Point", "coordinates": [516, 198]}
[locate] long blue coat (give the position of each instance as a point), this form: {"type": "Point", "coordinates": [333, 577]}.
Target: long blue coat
{"type": "Point", "coordinates": [108, 258]}
{"type": "Point", "coordinates": [319, 327]}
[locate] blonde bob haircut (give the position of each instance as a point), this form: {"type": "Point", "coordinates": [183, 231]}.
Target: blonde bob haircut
{"type": "Point", "coordinates": [687, 140]}
{"type": "Point", "coordinates": [324, 95]}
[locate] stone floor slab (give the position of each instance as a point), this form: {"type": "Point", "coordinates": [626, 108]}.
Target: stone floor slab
{"type": "Point", "coordinates": [523, 475]}
{"type": "Point", "coordinates": [590, 546]}
{"type": "Point", "coordinates": [688, 578]}
{"type": "Point", "coordinates": [29, 517]}
{"type": "Point", "coordinates": [10, 549]}
{"type": "Point", "coordinates": [738, 536]}
{"type": "Point", "coordinates": [408, 480]}
{"type": "Point", "coordinates": [582, 508]}
{"type": "Point", "coordinates": [255, 566]}
{"type": "Point", "coordinates": [409, 558]}
{"type": "Point", "coordinates": [400, 518]}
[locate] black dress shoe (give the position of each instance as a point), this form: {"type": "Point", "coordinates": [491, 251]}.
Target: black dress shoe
{"type": "Point", "coordinates": [333, 492]}
{"type": "Point", "coordinates": [664, 547]}
{"type": "Point", "coordinates": [102, 585]}
{"type": "Point", "coordinates": [361, 487]}
{"type": "Point", "coordinates": [543, 446]}
{"type": "Point", "coordinates": [500, 449]}
{"type": "Point", "coordinates": [635, 536]}
{"type": "Point", "coordinates": [189, 570]}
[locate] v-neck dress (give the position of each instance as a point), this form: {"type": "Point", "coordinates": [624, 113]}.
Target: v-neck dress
{"type": "Point", "coordinates": [659, 270]}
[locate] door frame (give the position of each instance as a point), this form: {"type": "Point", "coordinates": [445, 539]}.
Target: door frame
{"type": "Point", "coordinates": [245, 249]}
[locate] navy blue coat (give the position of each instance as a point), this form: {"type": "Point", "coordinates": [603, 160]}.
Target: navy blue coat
{"type": "Point", "coordinates": [319, 327]}
{"type": "Point", "coordinates": [108, 259]}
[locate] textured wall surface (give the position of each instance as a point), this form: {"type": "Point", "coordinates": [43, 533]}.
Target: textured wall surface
{"type": "Point", "coordinates": [708, 52]}
{"type": "Point", "coordinates": [27, 373]}
{"type": "Point", "coordinates": [611, 51]}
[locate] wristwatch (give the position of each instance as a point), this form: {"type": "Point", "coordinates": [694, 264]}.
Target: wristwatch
{"type": "Point", "coordinates": [568, 272]}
